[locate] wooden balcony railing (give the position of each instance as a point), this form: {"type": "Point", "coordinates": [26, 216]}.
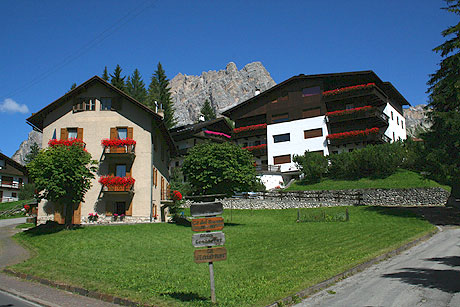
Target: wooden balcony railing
{"type": "Point", "coordinates": [11, 185]}
{"type": "Point", "coordinates": [360, 113]}
{"type": "Point", "coordinates": [122, 149]}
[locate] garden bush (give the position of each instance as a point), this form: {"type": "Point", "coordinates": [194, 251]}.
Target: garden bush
{"type": "Point", "coordinates": [312, 165]}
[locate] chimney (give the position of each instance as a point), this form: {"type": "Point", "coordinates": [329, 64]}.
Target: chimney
{"type": "Point", "coordinates": [161, 113]}
{"type": "Point", "coordinates": [201, 118]}
{"type": "Point", "coordinates": [257, 92]}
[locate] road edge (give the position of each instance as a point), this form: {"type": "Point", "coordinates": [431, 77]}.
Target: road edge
{"type": "Point", "coordinates": [297, 297]}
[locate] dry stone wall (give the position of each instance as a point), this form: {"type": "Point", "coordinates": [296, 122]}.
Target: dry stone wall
{"type": "Point", "coordinates": [314, 199]}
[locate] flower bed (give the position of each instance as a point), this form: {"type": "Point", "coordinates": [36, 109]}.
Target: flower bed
{"type": "Point", "coordinates": [349, 111]}
{"type": "Point", "coordinates": [117, 181]}
{"type": "Point", "coordinates": [70, 142]}
{"type": "Point", "coordinates": [355, 133]}
{"type": "Point", "coordinates": [347, 89]}
{"type": "Point", "coordinates": [250, 128]}
{"type": "Point", "coordinates": [251, 148]}
{"type": "Point", "coordinates": [217, 133]}
{"type": "Point", "coordinates": [118, 142]}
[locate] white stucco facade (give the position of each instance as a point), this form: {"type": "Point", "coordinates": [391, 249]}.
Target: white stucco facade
{"type": "Point", "coordinates": [297, 144]}
{"type": "Point", "coordinates": [396, 124]}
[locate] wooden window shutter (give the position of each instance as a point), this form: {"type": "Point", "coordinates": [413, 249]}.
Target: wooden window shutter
{"type": "Point", "coordinates": [80, 133]}
{"type": "Point", "coordinates": [156, 177]}
{"type": "Point", "coordinates": [311, 112]}
{"type": "Point", "coordinates": [76, 218]}
{"type": "Point", "coordinates": [168, 191]}
{"type": "Point", "coordinates": [130, 132]}
{"type": "Point", "coordinates": [113, 133]}
{"type": "Point", "coordinates": [282, 159]}
{"type": "Point", "coordinates": [58, 213]}
{"type": "Point", "coordinates": [129, 209]}
{"type": "Point", "coordinates": [162, 188]}
{"type": "Point", "coordinates": [112, 169]}
{"type": "Point", "coordinates": [313, 133]}
{"type": "Point", "coordinates": [108, 208]}
{"type": "Point", "coordinates": [153, 176]}
{"type": "Point", "coordinates": [128, 171]}
{"type": "Point", "coordinates": [64, 134]}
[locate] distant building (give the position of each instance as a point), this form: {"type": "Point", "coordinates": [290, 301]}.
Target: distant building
{"type": "Point", "coordinates": [186, 137]}
{"type": "Point", "coordinates": [326, 113]}
{"type": "Point", "coordinates": [129, 140]}
{"type": "Point", "coordinates": [12, 177]}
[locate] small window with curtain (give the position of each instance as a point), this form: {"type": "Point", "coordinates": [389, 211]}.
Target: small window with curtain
{"type": "Point", "coordinates": [311, 91]}
{"type": "Point", "coordinates": [72, 133]}
{"type": "Point", "coordinates": [122, 133]}
{"type": "Point", "coordinates": [282, 138]}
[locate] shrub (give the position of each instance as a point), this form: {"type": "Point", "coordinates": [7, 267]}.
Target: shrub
{"type": "Point", "coordinates": [27, 191]}
{"type": "Point", "coordinates": [374, 161]}
{"type": "Point", "coordinates": [312, 165]}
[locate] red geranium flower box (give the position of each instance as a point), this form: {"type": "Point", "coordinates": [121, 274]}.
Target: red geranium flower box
{"type": "Point", "coordinates": [250, 128]}
{"type": "Point", "coordinates": [349, 111]}
{"type": "Point", "coordinates": [351, 134]}
{"type": "Point", "coordinates": [70, 142]}
{"type": "Point", "coordinates": [115, 183]}
{"type": "Point", "coordinates": [347, 89]}
{"type": "Point", "coordinates": [251, 148]}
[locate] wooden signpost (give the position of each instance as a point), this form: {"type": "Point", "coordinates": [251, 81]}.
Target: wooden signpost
{"type": "Point", "coordinates": [208, 239]}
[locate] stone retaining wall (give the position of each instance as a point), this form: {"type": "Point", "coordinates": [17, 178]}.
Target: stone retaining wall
{"type": "Point", "coordinates": [313, 199]}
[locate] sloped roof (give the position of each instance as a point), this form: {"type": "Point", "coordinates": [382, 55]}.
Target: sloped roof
{"type": "Point", "coordinates": [36, 120]}
{"type": "Point", "coordinates": [15, 164]}
{"type": "Point", "coordinates": [388, 88]}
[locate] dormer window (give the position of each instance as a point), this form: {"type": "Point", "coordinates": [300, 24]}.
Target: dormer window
{"type": "Point", "coordinates": [85, 104]}
{"type": "Point", "coordinates": [2, 164]}
{"type": "Point", "coordinates": [106, 104]}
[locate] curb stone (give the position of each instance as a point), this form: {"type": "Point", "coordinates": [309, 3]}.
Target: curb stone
{"type": "Point", "coordinates": [294, 299]}
{"type": "Point", "coordinates": [77, 290]}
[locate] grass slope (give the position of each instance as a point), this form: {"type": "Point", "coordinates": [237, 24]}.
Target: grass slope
{"type": "Point", "coordinates": [399, 180]}
{"type": "Point", "coordinates": [270, 256]}
{"type": "Point", "coordinates": [5, 206]}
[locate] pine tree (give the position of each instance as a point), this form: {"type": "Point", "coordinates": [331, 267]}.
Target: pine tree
{"type": "Point", "coordinates": [34, 150]}
{"type": "Point", "coordinates": [117, 80]}
{"type": "Point", "coordinates": [105, 74]}
{"type": "Point", "coordinates": [159, 91]}
{"type": "Point", "coordinates": [74, 85]}
{"type": "Point", "coordinates": [207, 111]}
{"type": "Point", "coordinates": [442, 141]}
{"type": "Point", "coordinates": [135, 87]}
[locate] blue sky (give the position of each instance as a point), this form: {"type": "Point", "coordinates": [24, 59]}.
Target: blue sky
{"type": "Point", "coordinates": [48, 45]}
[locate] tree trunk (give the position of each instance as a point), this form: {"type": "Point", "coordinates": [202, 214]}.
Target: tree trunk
{"type": "Point", "coordinates": [68, 209]}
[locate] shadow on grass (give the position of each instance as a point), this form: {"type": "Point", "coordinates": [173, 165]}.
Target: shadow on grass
{"type": "Point", "coordinates": [185, 296]}
{"type": "Point", "coordinates": [441, 216]}
{"type": "Point", "coordinates": [48, 228]}
{"type": "Point", "coordinates": [444, 280]}
{"type": "Point", "coordinates": [186, 223]}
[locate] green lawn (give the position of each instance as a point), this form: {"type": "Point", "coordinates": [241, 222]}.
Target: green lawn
{"type": "Point", "coordinates": [270, 256]}
{"type": "Point", "coordinates": [5, 206]}
{"type": "Point", "coordinates": [401, 179]}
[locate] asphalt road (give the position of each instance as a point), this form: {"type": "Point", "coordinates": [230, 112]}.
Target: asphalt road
{"type": "Point", "coordinates": [9, 300]}
{"type": "Point", "coordinates": [426, 275]}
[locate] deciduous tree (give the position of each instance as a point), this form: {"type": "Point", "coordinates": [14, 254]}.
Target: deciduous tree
{"type": "Point", "coordinates": [62, 173]}
{"type": "Point", "coordinates": [213, 168]}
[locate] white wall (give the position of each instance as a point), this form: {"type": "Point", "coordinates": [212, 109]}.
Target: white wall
{"type": "Point", "coordinates": [297, 144]}
{"type": "Point", "coordinates": [395, 124]}
{"type": "Point", "coordinates": [271, 181]}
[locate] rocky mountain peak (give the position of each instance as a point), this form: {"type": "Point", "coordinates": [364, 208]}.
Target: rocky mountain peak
{"type": "Point", "coordinates": [222, 89]}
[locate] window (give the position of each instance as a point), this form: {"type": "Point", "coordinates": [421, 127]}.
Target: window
{"type": "Point", "coordinates": [402, 124]}
{"type": "Point", "coordinates": [282, 159]}
{"type": "Point", "coordinates": [2, 164]}
{"type": "Point", "coordinates": [106, 104]}
{"type": "Point", "coordinates": [391, 115]}
{"type": "Point", "coordinates": [13, 194]}
{"type": "Point", "coordinates": [397, 120]}
{"type": "Point", "coordinates": [394, 139]}
{"type": "Point", "coordinates": [72, 133]}
{"type": "Point", "coordinates": [282, 138]}
{"type": "Point", "coordinates": [312, 133]}
{"type": "Point", "coordinates": [90, 104]}
{"type": "Point", "coordinates": [120, 170]}
{"type": "Point", "coordinates": [279, 118]}
{"type": "Point", "coordinates": [349, 106]}
{"type": "Point", "coordinates": [177, 163]}
{"type": "Point", "coordinates": [122, 133]}
{"type": "Point", "coordinates": [307, 113]}
{"type": "Point", "coordinates": [311, 91]}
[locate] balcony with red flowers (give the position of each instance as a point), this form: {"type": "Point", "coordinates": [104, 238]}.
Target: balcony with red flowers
{"type": "Point", "coordinates": [372, 135]}
{"type": "Point", "coordinates": [252, 130]}
{"type": "Point", "coordinates": [367, 93]}
{"type": "Point", "coordinates": [372, 115]}
{"type": "Point", "coordinates": [257, 150]}
{"type": "Point", "coordinates": [119, 147]}
{"type": "Point", "coordinates": [117, 185]}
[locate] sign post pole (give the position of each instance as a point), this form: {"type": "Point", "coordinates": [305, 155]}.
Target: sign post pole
{"type": "Point", "coordinates": [211, 277]}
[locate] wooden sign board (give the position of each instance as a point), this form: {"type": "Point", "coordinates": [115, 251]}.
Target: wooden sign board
{"type": "Point", "coordinates": [206, 209]}
{"type": "Point", "coordinates": [210, 254]}
{"type": "Point", "coordinates": [208, 239]}
{"type": "Point", "coordinates": [208, 224]}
